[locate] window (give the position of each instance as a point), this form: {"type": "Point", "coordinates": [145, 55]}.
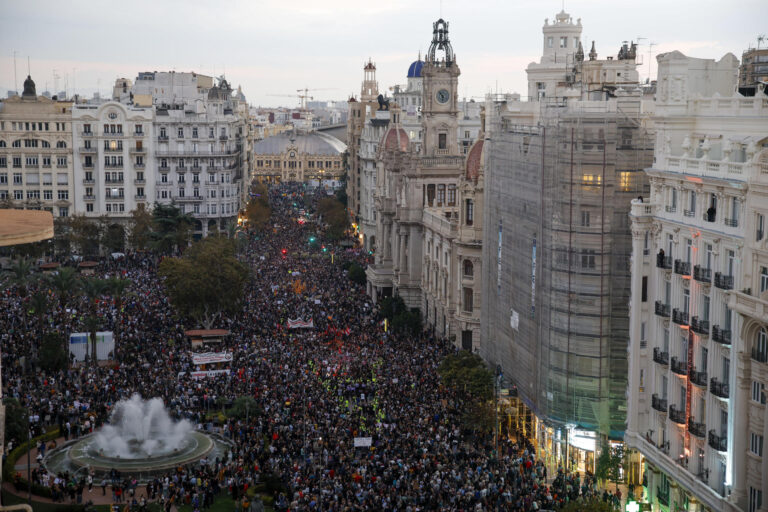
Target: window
{"type": "Point", "coordinates": [48, 195]}
{"type": "Point", "coordinates": [441, 195]}
{"type": "Point", "coordinates": [468, 300]}
{"type": "Point", "coordinates": [469, 212]}
{"type": "Point", "coordinates": [442, 140]}
{"type": "Point", "coordinates": [451, 195]}
{"type": "Point", "coordinates": [3, 178]}
{"type": "Point", "coordinates": [625, 181]}
{"type": "Point", "coordinates": [758, 391]}
{"type": "Point", "coordinates": [756, 444]}
{"type": "Point", "coordinates": [3, 161]}
{"type": "Point", "coordinates": [61, 161]}
{"type": "Point", "coordinates": [564, 42]}
{"type": "Point", "coordinates": [181, 132]}
{"type": "Point", "coordinates": [63, 211]}
{"type": "Point", "coordinates": [63, 194]}
{"type": "Point", "coordinates": [469, 269]}
{"type": "Point", "coordinates": [17, 178]}
{"type": "Point", "coordinates": [760, 349]}
{"type": "Point", "coordinates": [18, 195]}
{"type": "Point", "coordinates": [588, 258]}
{"type": "Point", "coordinates": [194, 132]}
{"type": "Point", "coordinates": [139, 129]}
{"type": "Point", "coordinates": [755, 499]}
{"type": "Point", "coordinates": [550, 42]}
{"type": "Point", "coordinates": [585, 218]}
{"type": "Point", "coordinates": [645, 289]}
{"type": "Point", "coordinates": [89, 207]}
{"type": "Point", "coordinates": [33, 194]}
{"type": "Point", "coordinates": [17, 162]}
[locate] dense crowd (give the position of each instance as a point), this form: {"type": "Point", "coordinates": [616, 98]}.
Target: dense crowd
{"type": "Point", "coordinates": [316, 389]}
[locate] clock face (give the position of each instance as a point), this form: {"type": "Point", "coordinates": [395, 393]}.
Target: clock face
{"type": "Point", "coordinates": [443, 96]}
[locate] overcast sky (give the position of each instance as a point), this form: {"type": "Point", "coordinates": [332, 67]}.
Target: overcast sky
{"type": "Point", "coordinates": [277, 47]}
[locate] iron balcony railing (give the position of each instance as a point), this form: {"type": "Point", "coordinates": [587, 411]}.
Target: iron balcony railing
{"type": "Point", "coordinates": [682, 267]}
{"type": "Point", "coordinates": [699, 326]}
{"type": "Point", "coordinates": [663, 261]}
{"type": "Point", "coordinates": [660, 357]}
{"type": "Point", "coordinates": [661, 309]}
{"type": "Point", "coordinates": [720, 335]}
{"type": "Point", "coordinates": [677, 415]}
{"type": "Point", "coordinates": [719, 443]}
{"type": "Point", "coordinates": [697, 429]}
{"type": "Point", "coordinates": [718, 388]}
{"type": "Point", "coordinates": [701, 274]}
{"type": "Point", "coordinates": [723, 282]}
{"type": "Point", "coordinates": [660, 404]}
{"type": "Point", "coordinates": [698, 378]}
{"type": "Point", "coordinates": [680, 317]}
{"type": "Point", "coordinates": [732, 222]}
{"type": "Point", "coordinates": [679, 367]}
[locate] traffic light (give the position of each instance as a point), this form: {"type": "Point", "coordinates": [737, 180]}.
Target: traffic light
{"type": "Point", "coordinates": [284, 252]}
{"type": "Point", "coordinates": [324, 249]}
{"type": "Point", "coordinates": [311, 239]}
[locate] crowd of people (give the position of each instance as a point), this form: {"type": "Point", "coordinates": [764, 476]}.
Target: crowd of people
{"type": "Point", "coordinates": [316, 391]}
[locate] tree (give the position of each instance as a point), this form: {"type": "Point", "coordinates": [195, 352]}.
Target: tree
{"type": "Point", "coordinates": [258, 212]}
{"type": "Point", "coordinates": [609, 462]}
{"type": "Point", "coordinates": [467, 372]}
{"type": "Point", "coordinates": [140, 227]}
{"type": "Point", "coordinates": [114, 238]}
{"type": "Point", "coordinates": [206, 281]}
{"type": "Point", "coordinates": [62, 236]}
{"type": "Point", "coordinates": [244, 407]}
{"type": "Point", "coordinates": [85, 234]}
{"type": "Point", "coordinates": [588, 505]}
{"type": "Point", "coordinates": [335, 215]}
{"type": "Point", "coordinates": [38, 305]}
{"type": "Point", "coordinates": [53, 352]}
{"type": "Point", "coordinates": [170, 228]}
{"type": "Point", "coordinates": [357, 274]}
{"type": "Point", "coordinates": [117, 288]}
{"type": "Point", "coordinates": [16, 421]}
{"type": "Point", "coordinates": [64, 282]}
{"type": "Point", "coordinates": [19, 275]}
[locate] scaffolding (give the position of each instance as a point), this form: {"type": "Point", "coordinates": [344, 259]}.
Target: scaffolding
{"type": "Point", "coordinates": [558, 199]}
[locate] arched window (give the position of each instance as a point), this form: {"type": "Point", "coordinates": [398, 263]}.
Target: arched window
{"type": "Point", "coordinates": [45, 144]}
{"type": "Point", "coordinates": [61, 144]}
{"type": "Point", "coordinates": [469, 269]}
{"type": "Point", "coordinates": [2, 143]}
{"type": "Point", "coordinates": [760, 348]}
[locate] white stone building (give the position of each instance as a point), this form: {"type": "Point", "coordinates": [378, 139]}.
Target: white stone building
{"type": "Point", "coordinates": [699, 311]}
{"type": "Point", "coordinates": [113, 156]}
{"type": "Point", "coordinates": [36, 168]}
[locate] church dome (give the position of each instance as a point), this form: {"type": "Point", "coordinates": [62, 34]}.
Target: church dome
{"type": "Point", "coordinates": [395, 139]}
{"type": "Point", "coordinates": [29, 88]}
{"type": "Point", "coordinates": [414, 70]}
{"type": "Point", "coordinates": [475, 160]}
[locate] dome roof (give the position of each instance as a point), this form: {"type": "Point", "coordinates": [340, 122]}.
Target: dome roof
{"type": "Point", "coordinates": [475, 160]}
{"type": "Point", "coordinates": [313, 143]}
{"type": "Point", "coordinates": [395, 139]}
{"type": "Point", "coordinates": [414, 70]}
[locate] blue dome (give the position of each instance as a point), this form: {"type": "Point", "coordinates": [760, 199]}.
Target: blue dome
{"type": "Point", "coordinates": [414, 71]}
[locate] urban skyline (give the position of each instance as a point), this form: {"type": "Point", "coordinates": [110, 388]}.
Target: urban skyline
{"type": "Point", "coordinates": [495, 49]}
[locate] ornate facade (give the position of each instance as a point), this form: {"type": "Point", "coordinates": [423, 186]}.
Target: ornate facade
{"type": "Point", "coordinates": [428, 236]}
{"type": "Point", "coordinates": [298, 156]}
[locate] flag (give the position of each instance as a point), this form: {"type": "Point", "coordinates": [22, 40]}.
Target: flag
{"type": "Point", "coordinates": [299, 323]}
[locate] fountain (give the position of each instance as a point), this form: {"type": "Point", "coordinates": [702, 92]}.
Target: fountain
{"type": "Point", "coordinates": [141, 440]}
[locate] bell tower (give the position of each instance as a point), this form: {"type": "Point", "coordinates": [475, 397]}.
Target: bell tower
{"type": "Point", "coordinates": [440, 104]}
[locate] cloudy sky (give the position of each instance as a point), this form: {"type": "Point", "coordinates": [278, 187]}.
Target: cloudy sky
{"type": "Point", "coordinates": [276, 47]}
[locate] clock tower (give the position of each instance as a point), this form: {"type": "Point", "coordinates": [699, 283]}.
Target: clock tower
{"type": "Point", "coordinates": [440, 104]}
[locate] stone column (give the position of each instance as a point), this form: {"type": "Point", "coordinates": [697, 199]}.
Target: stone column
{"type": "Point", "coordinates": [764, 508]}
{"type": "Point", "coordinates": [396, 249]}
{"type": "Point", "coordinates": [401, 257]}
{"type": "Point", "coordinates": [737, 441]}
{"type": "Point", "coordinates": [635, 320]}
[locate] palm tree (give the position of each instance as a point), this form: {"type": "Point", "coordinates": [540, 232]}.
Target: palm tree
{"type": "Point", "coordinates": [92, 289]}
{"type": "Point", "coordinates": [19, 275]}
{"type": "Point", "coordinates": [39, 304]}
{"type": "Point", "coordinates": [117, 288]}
{"type": "Point", "coordinates": [64, 282]}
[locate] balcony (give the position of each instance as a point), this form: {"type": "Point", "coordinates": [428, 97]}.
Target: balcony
{"type": "Point", "coordinates": [116, 149]}
{"type": "Point", "coordinates": [89, 197]}
{"type": "Point", "coordinates": [162, 138]}
{"type": "Point", "coordinates": [697, 429]}
{"type": "Point", "coordinates": [86, 134]}
{"type": "Point", "coordinates": [682, 267]}
{"type": "Point", "coordinates": [734, 223]}
{"type": "Point", "coordinates": [689, 213]}
{"type": "Point", "coordinates": [660, 357]}
{"type": "Point", "coordinates": [164, 168]}
{"type": "Point", "coordinates": [140, 197]}
{"type": "Point", "coordinates": [663, 262]}
{"type": "Point", "coordinates": [723, 282]}
{"type": "Point", "coordinates": [138, 150]}
{"type": "Point", "coordinates": [196, 168]}
{"type": "Point", "coordinates": [677, 415]}
{"type": "Point", "coordinates": [113, 181]}
{"type": "Point", "coordinates": [703, 275]}
{"type": "Point", "coordinates": [138, 165]}
{"type": "Point", "coordinates": [698, 378]}
{"type": "Point", "coordinates": [89, 182]}
{"type": "Point", "coordinates": [661, 309]}
{"type": "Point", "coordinates": [88, 151]}
{"type": "Point", "coordinates": [138, 134]}
{"type": "Point", "coordinates": [722, 336]}
{"type": "Point", "coordinates": [700, 326]}
{"type": "Point", "coordinates": [719, 443]}
{"type": "Point", "coordinates": [223, 137]}
{"type": "Point", "coordinates": [113, 166]}
{"type": "Point", "coordinates": [679, 367]}
{"type": "Point", "coordinates": [660, 404]}
{"type": "Point", "coordinates": [759, 354]}
{"type": "Point", "coordinates": [719, 389]}
{"type": "Point", "coordinates": [670, 209]}
{"type": "Point", "coordinates": [115, 198]}
{"type": "Point", "coordinates": [88, 165]}
{"type": "Point", "coordinates": [680, 317]}
{"type": "Point", "coordinates": [138, 181]}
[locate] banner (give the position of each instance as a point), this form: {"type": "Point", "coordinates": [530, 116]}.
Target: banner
{"type": "Point", "coordinates": [205, 374]}
{"type": "Point", "coordinates": [211, 357]}
{"type": "Point", "coordinates": [301, 324]}
{"type": "Point", "coordinates": [80, 346]}
{"type": "Point", "coordinates": [363, 442]}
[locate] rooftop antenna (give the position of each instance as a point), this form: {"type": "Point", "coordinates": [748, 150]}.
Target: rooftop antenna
{"type": "Point", "coordinates": [15, 78]}
{"type": "Point", "coordinates": [761, 38]}
{"type": "Point", "coordinates": [29, 69]}
{"type": "Point", "coordinates": [55, 82]}
{"type": "Point", "coordinates": [651, 44]}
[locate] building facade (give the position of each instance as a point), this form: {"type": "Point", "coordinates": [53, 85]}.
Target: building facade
{"type": "Point", "coordinates": [560, 172]}
{"type": "Point", "coordinates": [36, 165]}
{"type": "Point", "coordinates": [298, 156]}
{"type": "Point", "coordinates": [427, 247]}
{"type": "Point", "coordinates": [699, 310]}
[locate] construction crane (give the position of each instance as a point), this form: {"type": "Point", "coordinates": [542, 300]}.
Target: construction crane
{"type": "Point", "coordinates": [302, 97]}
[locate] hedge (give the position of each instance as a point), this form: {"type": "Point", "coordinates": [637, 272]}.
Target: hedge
{"type": "Point", "coordinates": [15, 454]}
